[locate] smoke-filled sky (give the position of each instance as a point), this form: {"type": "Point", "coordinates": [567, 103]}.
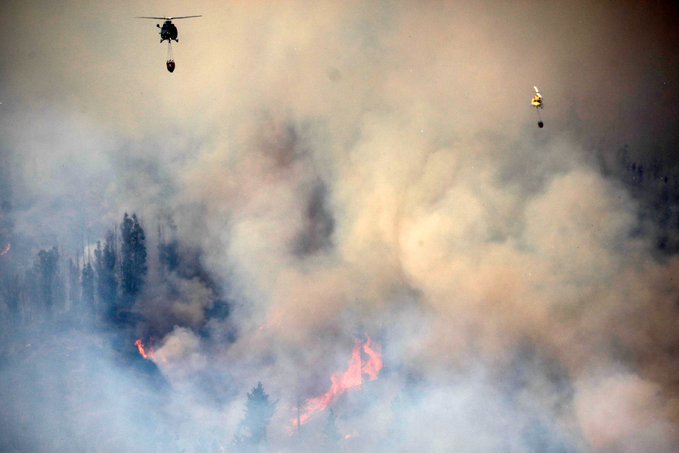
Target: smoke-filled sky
{"type": "Point", "coordinates": [344, 169]}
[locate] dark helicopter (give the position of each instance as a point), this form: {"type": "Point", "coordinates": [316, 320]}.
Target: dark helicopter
{"type": "Point", "coordinates": [168, 32]}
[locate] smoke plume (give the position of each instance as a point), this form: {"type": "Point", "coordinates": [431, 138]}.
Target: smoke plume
{"type": "Point", "coordinates": [332, 172]}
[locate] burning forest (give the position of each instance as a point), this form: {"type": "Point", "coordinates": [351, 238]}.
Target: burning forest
{"type": "Point", "coordinates": [345, 381]}
{"type": "Point", "coordinates": [338, 229]}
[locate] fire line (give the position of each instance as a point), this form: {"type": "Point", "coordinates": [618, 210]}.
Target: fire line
{"type": "Point", "coordinates": [347, 380]}
{"type": "Point", "coordinates": [142, 350]}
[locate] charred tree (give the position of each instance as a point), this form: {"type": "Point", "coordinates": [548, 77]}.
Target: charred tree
{"type": "Point", "coordinates": [331, 436]}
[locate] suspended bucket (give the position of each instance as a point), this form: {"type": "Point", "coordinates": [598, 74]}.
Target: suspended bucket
{"type": "Point", "coordinates": [170, 65]}
{"type": "Point", "coordinates": [540, 124]}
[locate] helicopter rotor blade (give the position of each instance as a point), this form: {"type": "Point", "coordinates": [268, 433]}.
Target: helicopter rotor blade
{"type": "Point", "coordinates": [152, 17]}
{"type": "Point", "coordinates": [183, 17]}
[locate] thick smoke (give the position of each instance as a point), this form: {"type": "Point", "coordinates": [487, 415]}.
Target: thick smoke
{"type": "Point", "coordinates": [328, 171]}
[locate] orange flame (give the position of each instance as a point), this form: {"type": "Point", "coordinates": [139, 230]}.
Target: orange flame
{"type": "Point", "coordinates": [347, 380]}
{"type": "Point", "coordinates": [374, 364]}
{"type": "Point", "coordinates": [8, 247]}
{"type": "Point", "coordinates": [142, 350]}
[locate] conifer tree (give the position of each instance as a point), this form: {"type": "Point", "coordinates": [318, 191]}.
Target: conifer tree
{"type": "Point", "coordinates": [73, 284]}
{"type": "Point", "coordinates": [105, 267]}
{"type": "Point", "coordinates": [47, 272]}
{"type": "Point", "coordinates": [251, 435]}
{"type": "Point", "coordinates": [133, 266]}
{"type": "Point", "coordinates": [168, 254]}
{"type": "Point", "coordinates": [87, 287]}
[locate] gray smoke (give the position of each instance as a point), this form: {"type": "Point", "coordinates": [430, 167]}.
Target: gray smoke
{"type": "Point", "coordinates": [334, 170]}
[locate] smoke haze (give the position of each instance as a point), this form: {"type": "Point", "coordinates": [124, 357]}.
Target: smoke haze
{"type": "Point", "coordinates": [331, 170]}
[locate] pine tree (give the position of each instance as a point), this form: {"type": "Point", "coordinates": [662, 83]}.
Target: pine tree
{"type": "Point", "coordinates": [105, 267]}
{"type": "Point", "coordinates": [133, 266]}
{"type": "Point", "coordinates": [87, 287]}
{"type": "Point", "coordinates": [11, 292]}
{"type": "Point", "coordinates": [31, 303]}
{"type": "Point", "coordinates": [251, 435]}
{"type": "Point", "coordinates": [47, 272]}
{"type": "Point", "coordinates": [168, 254]}
{"type": "Point", "coordinates": [73, 284]}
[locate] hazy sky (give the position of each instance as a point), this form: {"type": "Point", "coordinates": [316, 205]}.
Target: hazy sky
{"type": "Point", "coordinates": [375, 167]}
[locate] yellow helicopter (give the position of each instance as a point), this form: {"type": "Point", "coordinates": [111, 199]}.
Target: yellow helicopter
{"type": "Point", "coordinates": [538, 104]}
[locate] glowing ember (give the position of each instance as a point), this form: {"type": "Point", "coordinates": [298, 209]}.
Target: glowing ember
{"type": "Point", "coordinates": [142, 350]}
{"type": "Point", "coordinates": [347, 380]}
{"type": "Point", "coordinates": [8, 247]}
